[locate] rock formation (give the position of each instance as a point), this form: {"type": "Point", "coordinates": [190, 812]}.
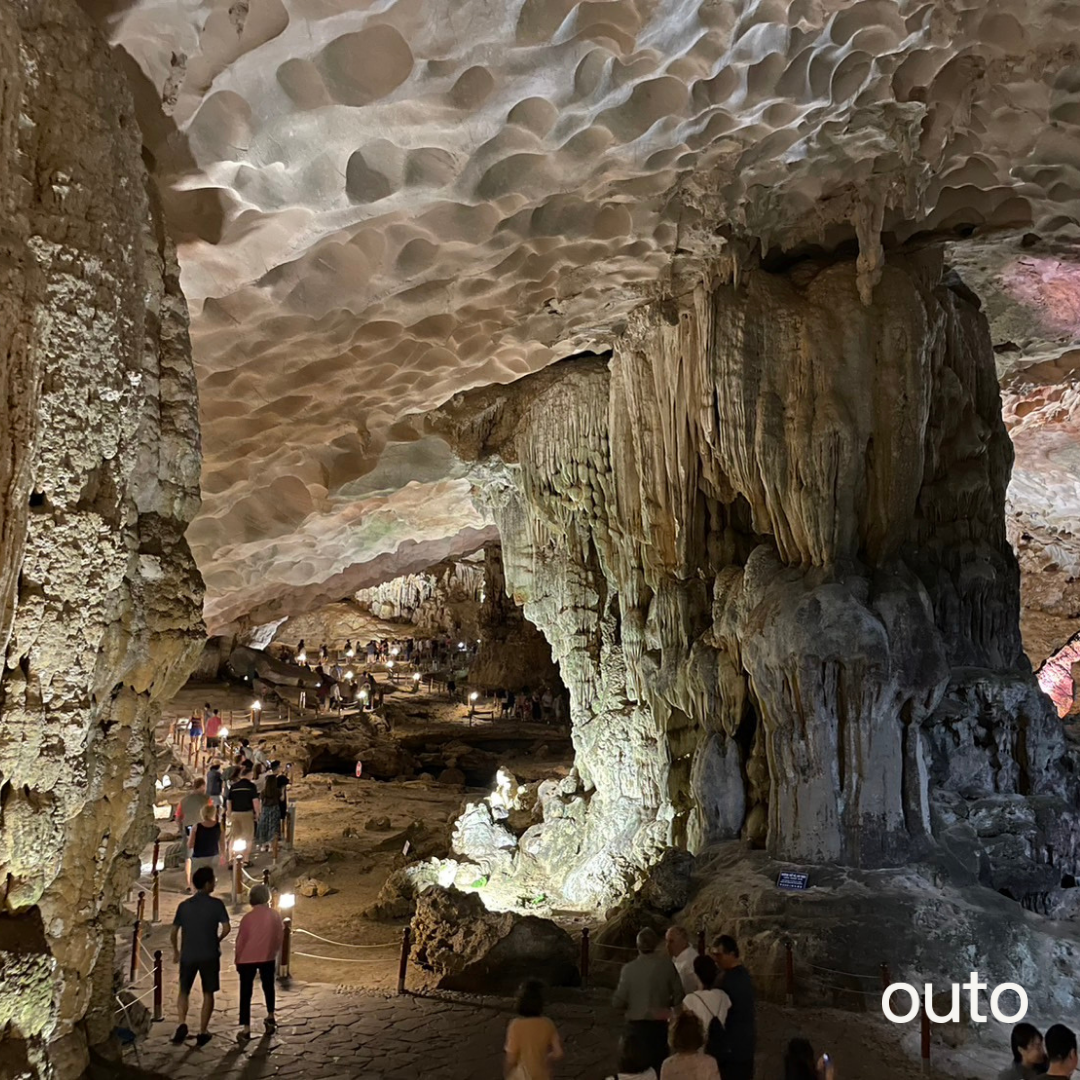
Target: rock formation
{"type": "Point", "coordinates": [766, 542]}
{"type": "Point", "coordinates": [512, 654]}
{"type": "Point", "coordinates": [99, 596]}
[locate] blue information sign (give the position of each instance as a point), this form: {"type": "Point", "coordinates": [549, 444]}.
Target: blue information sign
{"type": "Point", "coordinates": [796, 882]}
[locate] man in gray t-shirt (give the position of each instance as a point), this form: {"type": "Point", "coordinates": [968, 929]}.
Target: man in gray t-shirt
{"type": "Point", "coordinates": [200, 925]}
{"type": "Point", "coordinates": [649, 991]}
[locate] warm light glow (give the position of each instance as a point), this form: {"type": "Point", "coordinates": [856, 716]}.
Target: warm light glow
{"type": "Point", "coordinates": [349, 675]}
{"type": "Point", "coordinates": [461, 644]}
{"type": "Point", "coordinates": [390, 664]}
{"type": "Point", "coordinates": [239, 846]}
{"type": "Point", "coordinates": [287, 901]}
{"type": "Point", "coordinates": [416, 676]}
{"type": "Point", "coordinates": [224, 733]}
{"type": "Point", "coordinates": [363, 695]}
{"type": "Point", "coordinates": [394, 651]}
{"type": "Point", "coordinates": [473, 696]}
{"type": "Point", "coordinates": [256, 705]}
{"type": "Point", "coordinates": [350, 653]}
{"type": "Point", "coordinates": [302, 658]}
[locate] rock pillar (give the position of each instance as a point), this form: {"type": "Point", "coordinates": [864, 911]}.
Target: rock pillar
{"type": "Point", "coordinates": [766, 542]}
{"type": "Point", "coordinates": [99, 597]}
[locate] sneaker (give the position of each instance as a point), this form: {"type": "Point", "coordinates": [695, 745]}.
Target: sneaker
{"type": "Point", "coordinates": [270, 1024]}
{"type": "Point", "coordinates": [203, 1038]}
{"type": "Point", "coordinates": [180, 1035]}
{"type": "Point", "coordinates": [243, 1035]}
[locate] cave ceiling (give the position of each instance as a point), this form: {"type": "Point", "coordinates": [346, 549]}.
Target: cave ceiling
{"type": "Point", "coordinates": [380, 204]}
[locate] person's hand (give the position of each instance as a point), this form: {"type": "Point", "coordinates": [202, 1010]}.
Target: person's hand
{"type": "Point", "coordinates": [825, 1068]}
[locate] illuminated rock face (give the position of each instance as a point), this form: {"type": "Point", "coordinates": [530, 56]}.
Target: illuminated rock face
{"type": "Point", "coordinates": [99, 596]}
{"type": "Point", "coordinates": [767, 545]}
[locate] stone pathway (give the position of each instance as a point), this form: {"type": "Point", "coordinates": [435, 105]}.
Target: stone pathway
{"type": "Point", "coordinates": [325, 1035]}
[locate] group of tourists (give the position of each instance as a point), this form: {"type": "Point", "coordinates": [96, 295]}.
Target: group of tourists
{"type": "Point", "coordinates": [250, 793]}
{"type": "Point", "coordinates": [540, 705]}
{"type": "Point", "coordinates": [199, 927]}
{"type": "Point", "coordinates": [1035, 1055]}
{"type": "Point", "coordinates": [687, 1017]}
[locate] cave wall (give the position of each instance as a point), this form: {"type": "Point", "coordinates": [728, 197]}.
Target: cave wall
{"type": "Point", "coordinates": [99, 597]}
{"type": "Point", "coordinates": [767, 545]}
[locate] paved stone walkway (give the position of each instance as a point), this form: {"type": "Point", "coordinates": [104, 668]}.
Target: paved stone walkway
{"type": "Point", "coordinates": [334, 1036]}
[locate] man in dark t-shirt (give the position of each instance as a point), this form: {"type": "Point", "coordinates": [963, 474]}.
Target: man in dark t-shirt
{"type": "Point", "coordinates": [243, 800]}
{"type": "Point", "coordinates": [740, 1025]}
{"type": "Point", "coordinates": [200, 925]}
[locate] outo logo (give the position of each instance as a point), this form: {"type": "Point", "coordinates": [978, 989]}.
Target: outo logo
{"type": "Point", "coordinates": [972, 986]}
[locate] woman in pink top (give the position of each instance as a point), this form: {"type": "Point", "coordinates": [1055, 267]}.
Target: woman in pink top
{"type": "Point", "coordinates": [257, 946]}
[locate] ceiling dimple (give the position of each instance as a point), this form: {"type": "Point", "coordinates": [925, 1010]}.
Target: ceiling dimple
{"type": "Point", "coordinates": [379, 204]}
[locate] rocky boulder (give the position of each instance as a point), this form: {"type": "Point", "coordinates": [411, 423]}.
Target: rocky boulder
{"type": "Point", "coordinates": [667, 887]}
{"type": "Point", "coordinates": [481, 951]}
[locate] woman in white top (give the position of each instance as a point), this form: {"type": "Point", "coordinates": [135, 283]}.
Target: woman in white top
{"type": "Point", "coordinates": [706, 1004]}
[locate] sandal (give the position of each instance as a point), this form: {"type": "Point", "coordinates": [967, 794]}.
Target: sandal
{"type": "Point", "coordinates": [270, 1025]}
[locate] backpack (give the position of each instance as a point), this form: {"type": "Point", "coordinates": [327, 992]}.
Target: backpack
{"type": "Point", "coordinates": [715, 1035]}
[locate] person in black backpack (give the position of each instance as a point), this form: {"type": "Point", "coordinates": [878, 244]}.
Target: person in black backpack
{"type": "Point", "coordinates": [710, 1006]}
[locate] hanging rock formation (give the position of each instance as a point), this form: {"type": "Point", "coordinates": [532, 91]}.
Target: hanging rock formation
{"type": "Point", "coordinates": [512, 654]}
{"type": "Point", "coordinates": [766, 543]}
{"type": "Point", "coordinates": [99, 596]}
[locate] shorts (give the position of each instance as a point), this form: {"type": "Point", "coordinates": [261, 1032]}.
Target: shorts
{"type": "Point", "coordinates": [209, 972]}
{"type": "Point", "coordinates": [242, 827]}
{"type": "Point", "coordinates": [213, 741]}
{"type": "Point", "coordinates": [205, 860]}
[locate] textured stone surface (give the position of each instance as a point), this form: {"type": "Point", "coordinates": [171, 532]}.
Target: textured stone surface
{"type": "Point", "coordinates": [99, 596]}
{"type": "Point", "coordinates": [380, 205]}
{"type": "Point", "coordinates": [767, 545]}
{"type": "Point", "coordinates": [484, 951]}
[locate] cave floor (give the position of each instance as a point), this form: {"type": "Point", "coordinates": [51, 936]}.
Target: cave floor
{"type": "Point", "coordinates": [336, 840]}
{"type": "Point", "coordinates": [339, 1018]}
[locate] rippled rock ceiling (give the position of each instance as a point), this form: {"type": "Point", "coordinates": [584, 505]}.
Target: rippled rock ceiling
{"type": "Point", "coordinates": [380, 204]}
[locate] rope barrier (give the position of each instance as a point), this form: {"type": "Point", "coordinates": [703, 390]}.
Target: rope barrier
{"type": "Point", "coordinates": [127, 1005]}
{"type": "Point", "coordinates": [339, 960]}
{"type": "Point", "coordinates": [345, 944]}
{"type": "Point", "coordinates": [849, 974]}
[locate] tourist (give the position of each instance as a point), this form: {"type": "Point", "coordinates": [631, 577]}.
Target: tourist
{"type": "Point", "coordinates": [204, 842]}
{"type": "Point", "coordinates": [537, 711]}
{"type": "Point", "coordinates": [195, 733]}
{"type": "Point", "coordinates": [215, 784]}
{"type": "Point", "coordinates": [188, 815]}
{"type": "Point", "coordinates": [1028, 1052]}
{"type": "Point", "coordinates": [207, 712]}
{"type": "Point", "coordinates": [682, 956]}
{"type": "Point", "coordinates": [687, 1062]}
{"type": "Point", "coordinates": [213, 730]}
{"type": "Point", "coordinates": [801, 1063]}
{"type": "Point", "coordinates": [547, 700]}
{"type": "Point", "coordinates": [649, 990]}
{"type": "Point", "coordinates": [243, 803]}
{"type": "Point", "coordinates": [201, 923]}
{"type": "Point", "coordinates": [735, 981]}
{"type": "Point", "coordinates": [633, 1060]}
{"type": "Point", "coordinates": [258, 942]}
{"type": "Point", "coordinates": [532, 1042]}
{"type": "Point", "coordinates": [324, 652]}
{"type": "Point", "coordinates": [1060, 1043]}
{"type": "Point", "coordinates": [302, 699]}
{"type": "Point", "coordinates": [710, 1006]}
{"type": "Point", "coordinates": [269, 825]}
